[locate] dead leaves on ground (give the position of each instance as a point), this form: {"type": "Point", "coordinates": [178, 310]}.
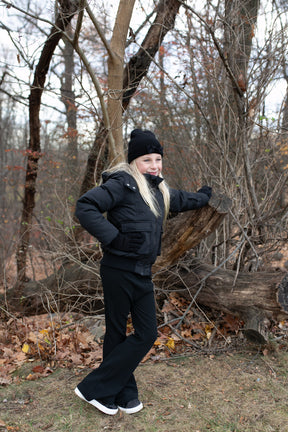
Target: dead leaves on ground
{"type": "Point", "coordinates": [185, 328]}
{"type": "Point", "coordinates": [61, 340]}
{"type": "Point", "coordinates": [52, 339]}
{"type": "Point", "coordinates": [64, 340]}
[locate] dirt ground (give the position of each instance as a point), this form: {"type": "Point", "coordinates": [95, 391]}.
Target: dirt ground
{"type": "Point", "coordinates": [240, 391]}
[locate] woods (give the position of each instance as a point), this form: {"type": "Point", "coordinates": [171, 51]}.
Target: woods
{"type": "Point", "coordinates": [211, 81]}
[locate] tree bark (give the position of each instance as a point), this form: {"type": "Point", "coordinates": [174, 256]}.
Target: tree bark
{"type": "Point", "coordinates": [115, 76]}
{"type": "Point", "coordinates": [187, 230]}
{"type": "Point", "coordinates": [240, 20]}
{"type": "Point", "coordinates": [253, 297]}
{"type": "Point", "coordinates": [69, 100]}
{"type": "Point", "coordinates": [138, 65]}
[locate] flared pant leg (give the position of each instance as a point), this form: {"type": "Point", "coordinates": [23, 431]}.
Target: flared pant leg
{"type": "Point", "coordinates": [124, 292]}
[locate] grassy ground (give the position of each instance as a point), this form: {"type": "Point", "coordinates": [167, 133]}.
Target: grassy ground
{"type": "Point", "coordinates": [241, 392]}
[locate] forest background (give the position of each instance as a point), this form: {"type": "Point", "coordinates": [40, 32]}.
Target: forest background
{"type": "Point", "coordinates": [213, 90]}
{"type": "Point", "coordinates": [78, 76]}
{"type": "Point", "coordinates": [212, 87]}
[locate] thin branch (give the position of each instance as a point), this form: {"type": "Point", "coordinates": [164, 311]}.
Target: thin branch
{"type": "Point", "coordinates": [220, 51]}
{"type": "Point", "coordinates": [211, 130]}
{"type": "Point", "coordinates": [20, 52]}
{"type": "Point", "coordinates": [79, 22]}
{"type": "Point", "coordinates": [98, 89]}
{"type": "Point", "coordinates": [98, 29]}
{"type": "Point", "coordinates": [11, 5]}
{"type": "Point", "coordinates": [81, 54]}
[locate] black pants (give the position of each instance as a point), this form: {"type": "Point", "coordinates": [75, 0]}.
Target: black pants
{"type": "Point", "coordinates": [124, 292]}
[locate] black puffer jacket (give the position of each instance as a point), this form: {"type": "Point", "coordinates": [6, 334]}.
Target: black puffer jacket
{"type": "Point", "coordinates": [127, 212]}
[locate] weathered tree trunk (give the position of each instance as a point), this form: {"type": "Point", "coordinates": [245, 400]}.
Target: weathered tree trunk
{"type": "Point", "coordinates": [187, 230]}
{"type": "Point", "coordinates": [69, 99]}
{"type": "Point", "coordinates": [254, 297]}
{"type": "Point", "coordinates": [138, 65]}
{"type": "Point", "coordinates": [115, 76]}
{"type": "Point", "coordinates": [240, 21]}
{"type": "Point", "coordinates": [74, 287]}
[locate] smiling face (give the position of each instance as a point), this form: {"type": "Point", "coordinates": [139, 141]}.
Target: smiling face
{"type": "Point", "coordinates": [149, 164]}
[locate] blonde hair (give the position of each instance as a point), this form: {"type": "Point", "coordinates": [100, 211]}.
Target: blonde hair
{"type": "Point", "coordinates": [145, 191]}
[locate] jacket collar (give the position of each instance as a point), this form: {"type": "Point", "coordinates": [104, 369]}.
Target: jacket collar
{"type": "Point", "coordinates": [154, 181]}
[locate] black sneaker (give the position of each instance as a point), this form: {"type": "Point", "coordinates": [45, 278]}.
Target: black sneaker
{"type": "Point", "coordinates": [131, 407]}
{"type": "Point", "coordinates": [110, 409]}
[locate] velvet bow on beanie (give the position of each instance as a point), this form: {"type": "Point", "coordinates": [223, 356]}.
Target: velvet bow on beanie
{"type": "Point", "coordinates": [143, 142]}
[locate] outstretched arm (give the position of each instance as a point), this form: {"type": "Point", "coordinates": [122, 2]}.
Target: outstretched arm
{"type": "Point", "coordinates": [182, 201]}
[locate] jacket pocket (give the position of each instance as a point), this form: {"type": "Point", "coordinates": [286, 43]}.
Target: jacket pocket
{"type": "Point", "coordinates": [146, 229]}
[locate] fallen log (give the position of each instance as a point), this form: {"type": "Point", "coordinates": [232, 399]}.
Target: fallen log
{"type": "Point", "coordinates": [257, 298]}
{"type": "Point", "coordinates": [188, 229]}
{"type": "Point", "coordinates": [73, 285]}
{"type": "Point", "coordinates": [254, 297]}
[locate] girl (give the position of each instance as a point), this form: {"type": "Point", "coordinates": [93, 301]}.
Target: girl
{"type": "Point", "coordinates": [137, 201]}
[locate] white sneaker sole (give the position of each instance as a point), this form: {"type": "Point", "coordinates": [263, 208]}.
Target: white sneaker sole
{"type": "Point", "coordinates": [96, 404]}
{"type": "Point", "coordinates": [131, 410]}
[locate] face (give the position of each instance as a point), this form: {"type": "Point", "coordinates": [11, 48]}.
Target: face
{"type": "Point", "coordinates": [149, 164]}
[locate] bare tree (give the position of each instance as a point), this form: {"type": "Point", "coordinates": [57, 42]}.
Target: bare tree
{"type": "Point", "coordinates": [134, 72]}
{"type": "Point", "coordinates": [66, 13]}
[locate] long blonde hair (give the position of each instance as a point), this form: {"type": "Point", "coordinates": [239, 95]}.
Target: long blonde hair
{"type": "Point", "coordinates": [143, 186]}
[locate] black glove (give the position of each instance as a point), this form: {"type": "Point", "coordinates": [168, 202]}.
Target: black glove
{"type": "Point", "coordinates": [129, 242]}
{"type": "Point", "coordinates": [207, 190]}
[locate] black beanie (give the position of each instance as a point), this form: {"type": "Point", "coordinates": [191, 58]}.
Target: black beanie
{"type": "Point", "coordinates": [143, 142]}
